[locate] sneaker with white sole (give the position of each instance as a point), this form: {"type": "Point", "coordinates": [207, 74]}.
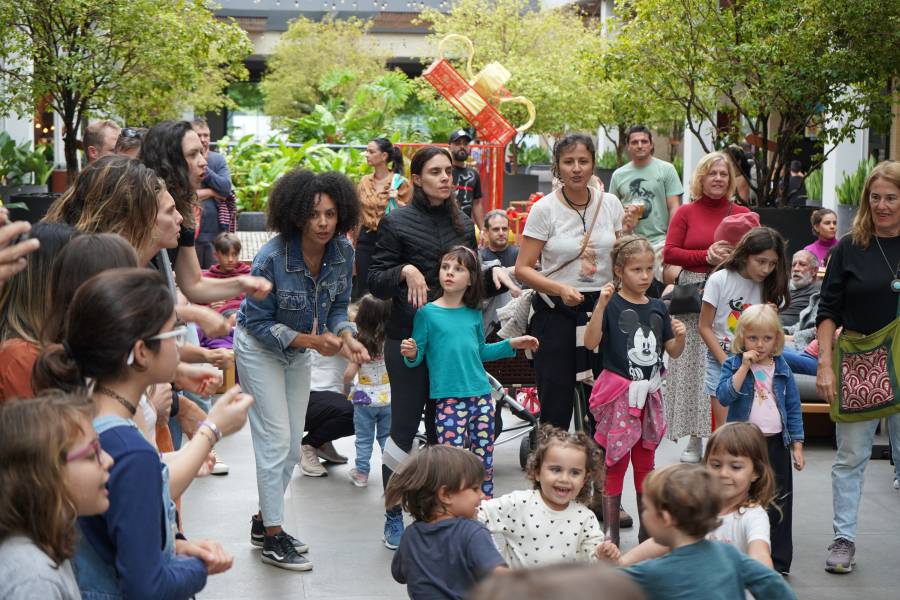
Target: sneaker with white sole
{"type": "Point", "coordinates": [693, 451]}
{"type": "Point", "coordinates": [841, 557]}
{"type": "Point", "coordinates": [393, 529]}
{"type": "Point", "coordinates": [258, 535]}
{"type": "Point", "coordinates": [219, 468]}
{"type": "Point", "coordinates": [278, 550]}
{"type": "Point", "coordinates": [358, 478]}
{"type": "Point", "coordinates": [329, 453]}
{"type": "Point", "coordinates": [309, 462]}
{"type": "Point", "coordinates": [896, 483]}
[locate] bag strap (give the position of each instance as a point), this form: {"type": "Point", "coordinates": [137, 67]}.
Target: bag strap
{"type": "Point", "coordinates": [584, 242]}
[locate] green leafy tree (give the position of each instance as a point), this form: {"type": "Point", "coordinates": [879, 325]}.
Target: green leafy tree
{"type": "Point", "coordinates": [136, 59]}
{"type": "Point", "coordinates": [775, 68]}
{"type": "Point", "coordinates": [312, 52]}
{"type": "Point", "coordinates": [544, 51]}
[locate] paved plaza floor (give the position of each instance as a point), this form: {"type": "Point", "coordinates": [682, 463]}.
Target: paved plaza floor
{"type": "Point", "coordinates": [342, 524]}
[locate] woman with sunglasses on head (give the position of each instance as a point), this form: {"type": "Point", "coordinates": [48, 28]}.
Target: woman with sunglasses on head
{"type": "Point", "coordinates": [120, 336]}
{"type": "Point", "coordinates": [52, 470]}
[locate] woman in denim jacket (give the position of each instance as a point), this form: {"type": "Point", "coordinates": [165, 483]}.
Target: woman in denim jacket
{"type": "Point", "coordinates": [757, 385]}
{"type": "Point", "coordinates": [309, 263]}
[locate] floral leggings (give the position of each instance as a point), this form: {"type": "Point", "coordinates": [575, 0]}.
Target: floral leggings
{"type": "Point", "coordinates": [469, 423]}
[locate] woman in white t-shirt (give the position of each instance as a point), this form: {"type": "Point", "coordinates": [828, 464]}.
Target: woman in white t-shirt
{"type": "Point", "coordinates": [571, 231]}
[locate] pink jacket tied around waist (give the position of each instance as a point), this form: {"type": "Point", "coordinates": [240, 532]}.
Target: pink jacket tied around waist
{"type": "Point", "coordinates": [619, 426]}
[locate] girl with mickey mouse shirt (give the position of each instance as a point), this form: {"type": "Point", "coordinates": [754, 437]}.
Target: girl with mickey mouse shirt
{"type": "Point", "coordinates": [627, 397]}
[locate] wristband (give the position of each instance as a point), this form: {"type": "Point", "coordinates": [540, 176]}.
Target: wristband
{"type": "Point", "coordinates": [212, 427]}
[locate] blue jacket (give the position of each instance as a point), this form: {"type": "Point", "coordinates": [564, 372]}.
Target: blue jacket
{"type": "Point", "coordinates": [297, 298]}
{"type": "Point", "coordinates": [787, 398]}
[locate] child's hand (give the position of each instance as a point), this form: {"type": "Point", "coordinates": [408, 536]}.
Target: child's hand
{"type": "Point", "coordinates": [220, 357]}
{"type": "Point", "coordinates": [524, 342]}
{"type": "Point", "coordinates": [797, 452]}
{"type": "Point", "coordinates": [606, 293]}
{"type": "Point", "coordinates": [607, 551]}
{"type": "Point", "coordinates": [409, 349]}
{"type": "Point", "coordinates": [749, 357]}
{"type": "Point", "coordinates": [678, 328]}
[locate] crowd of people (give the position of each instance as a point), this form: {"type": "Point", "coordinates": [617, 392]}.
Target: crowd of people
{"type": "Point", "coordinates": [369, 311]}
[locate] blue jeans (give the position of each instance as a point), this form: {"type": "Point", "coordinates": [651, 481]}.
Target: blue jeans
{"type": "Point", "coordinates": [854, 448]}
{"type": "Point", "coordinates": [800, 363]}
{"type": "Point", "coordinates": [366, 419]}
{"type": "Point", "coordinates": [280, 388]}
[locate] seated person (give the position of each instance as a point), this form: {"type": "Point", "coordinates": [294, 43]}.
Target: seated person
{"type": "Point", "coordinates": [803, 285]}
{"type": "Point", "coordinates": [227, 252]}
{"type": "Point", "coordinates": [329, 415]}
{"type": "Point", "coordinates": [497, 251]}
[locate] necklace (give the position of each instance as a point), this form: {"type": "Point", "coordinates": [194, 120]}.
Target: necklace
{"type": "Point", "coordinates": [581, 214]}
{"type": "Point", "coordinates": [115, 396]}
{"type": "Point", "coordinates": [895, 282]}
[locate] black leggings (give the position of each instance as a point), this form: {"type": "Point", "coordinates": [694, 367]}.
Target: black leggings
{"type": "Point", "coordinates": [328, 417]}
{"type": "Point", "coordinates": [365, 248]}
{"type": "Point", "coordinates": [409, 399]}
{"type": "Point", "coordinates": [781, 521]}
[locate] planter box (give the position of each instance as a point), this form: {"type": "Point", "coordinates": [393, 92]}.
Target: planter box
{"type": "Point", "coordinates": [518, 187]}
{"type": "Point", "coordinates": [605, 176]}
{"type": "Point", "coordinates": [846, 213]}
{"type": "Point", "coordinates": [251, 221]}
{"type": "Point", "coordinates": [8, 191]}
{"type": "Point", "coordinates": [37, 206]}
{"type": "Point", "coordinates": [791, 222]}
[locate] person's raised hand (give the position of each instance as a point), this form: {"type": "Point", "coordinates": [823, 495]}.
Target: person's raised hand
{"type": "Point", "coordinates": [718, 252]}
{"type": "Point", "coordinates": [417, 289]}
{"type": "Point", "coordinates": [199, 379]}
{"type": "Point", "coordinates": [570, 296]}
{"type": "Point", "coordinates": [525, 342]}
{"type": "Point", "coordinates": [13, 253]}
{"type": "Point", "coordinates": [501, 277]}
{"type": "Point", "coordinates": [160, 398]}
{"type": "Point", "coordinates": [409, 349]}
{"type": "Point", "coordinates": [606, 292]}
{"type": "Point", "coordinates": [257, 287]}
{"type": "Point", "coordinates": [220, 357]}
{"type": "Point", "coordinates": [749, 357]}
{"type": "Point", "coordinates": [229, 412]}
{"type": "Point", "coordinates": [678, 328]}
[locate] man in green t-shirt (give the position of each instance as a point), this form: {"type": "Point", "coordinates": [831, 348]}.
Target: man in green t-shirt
{"type": "Point", "coordinates": [649, 186]}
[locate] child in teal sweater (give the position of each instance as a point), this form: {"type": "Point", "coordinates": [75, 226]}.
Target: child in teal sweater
{"type": "Point", "coordinates": [448, 334]}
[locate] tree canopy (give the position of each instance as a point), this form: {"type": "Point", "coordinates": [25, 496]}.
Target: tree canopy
{"type": "Point", "coordinates": [139, 60]}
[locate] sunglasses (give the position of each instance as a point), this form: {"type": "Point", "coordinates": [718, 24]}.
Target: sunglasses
{"type": "Point", "coordinates": [93, 447]}
{"type": "Point", "coordinates": [133, 132]}
{"type": "Point", "coordinates": [179, 333]}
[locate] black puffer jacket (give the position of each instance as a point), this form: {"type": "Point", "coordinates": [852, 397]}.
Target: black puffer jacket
{"type": "Point", "coordinates": [416, 235]}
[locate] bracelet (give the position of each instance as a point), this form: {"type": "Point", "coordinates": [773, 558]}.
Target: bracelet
{"type": "Point", "coordinates": [212, 427]}
{"type": "Point", "coordinates": [209, 437]}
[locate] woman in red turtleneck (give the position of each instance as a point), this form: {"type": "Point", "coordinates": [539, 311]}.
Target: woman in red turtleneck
{"type": "Point", "coordinates": [689, 244]}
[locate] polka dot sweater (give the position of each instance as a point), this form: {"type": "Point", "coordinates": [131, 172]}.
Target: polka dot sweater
{"type": "Point", "coordinates": [530, 533]}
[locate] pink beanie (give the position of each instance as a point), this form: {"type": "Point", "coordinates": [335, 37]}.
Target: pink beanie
{"type": "Point", "coordinates": [734, 227]}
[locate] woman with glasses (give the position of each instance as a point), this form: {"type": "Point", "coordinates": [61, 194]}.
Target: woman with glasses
{"type": "Point", "coordinates": [120, 336]}
{"type": "Point", "coordinates": [861, 294]}
{"type": "Point", "coordinates": [53, 470]}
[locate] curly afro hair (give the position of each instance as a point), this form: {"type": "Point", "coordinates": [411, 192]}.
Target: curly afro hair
{"type": "Point", "coordinates": [293, 197]}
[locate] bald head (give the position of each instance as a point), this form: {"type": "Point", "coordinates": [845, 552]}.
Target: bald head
{"type": "Point", "coordinates": [804, 266]}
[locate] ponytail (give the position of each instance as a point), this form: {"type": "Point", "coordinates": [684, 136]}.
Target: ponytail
{"type": "Point", "coordinates": [395, 155]}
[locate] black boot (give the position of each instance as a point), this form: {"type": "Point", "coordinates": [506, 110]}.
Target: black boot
{"type": "Point", "coordinates": [611, 517]}
{"type": "Point", "coordinates": [642, 532]}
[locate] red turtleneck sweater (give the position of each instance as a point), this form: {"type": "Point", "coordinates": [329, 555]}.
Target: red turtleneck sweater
{"type": "Point", "coordinates": [691, 232]}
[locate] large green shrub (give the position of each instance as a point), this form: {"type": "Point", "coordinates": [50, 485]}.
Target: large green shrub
{"type": "Point", "coordinates": [850, 189]}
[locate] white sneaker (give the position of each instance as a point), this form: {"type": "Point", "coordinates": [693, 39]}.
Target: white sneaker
{"type": "Point", "coordinates": [358, 479]}
{"type": "Point", "coordinates": [896, 483]}
{"type": "Point", "coordinates": [219, 468]}
{"type": "Point", "coordinates": [693, 451]}
{"type": "Point", "coordinates": [309, 462]}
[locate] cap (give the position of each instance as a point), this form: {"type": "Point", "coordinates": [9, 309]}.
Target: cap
{"type": "Point", "coordinates": [460, 133]}
{"type": "Point", "coordinates": [734, 227]}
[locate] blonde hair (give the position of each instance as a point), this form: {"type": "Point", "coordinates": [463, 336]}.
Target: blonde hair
{"type": "Point", "coordinates": [626, 247]}
{"type": "Point", "coordinates": [704, 167]}
{"type": "Point", "coordinates": [689, 493]}
{"type": "Point", "coordinates": [758, 316]}
{"type": "Point", "coordinates": [863, 227]}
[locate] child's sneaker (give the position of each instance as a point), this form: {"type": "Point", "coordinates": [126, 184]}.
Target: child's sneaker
{"type": "Point", "coordinates": [358, 478]}
{"type": "Point", "coordinates": [393, 529]}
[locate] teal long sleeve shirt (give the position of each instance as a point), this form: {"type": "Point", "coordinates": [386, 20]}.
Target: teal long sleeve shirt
{"type": "Point", "coordinates": [451, 341]}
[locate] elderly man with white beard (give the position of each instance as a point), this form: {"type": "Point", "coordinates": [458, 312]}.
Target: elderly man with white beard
{"type": "Point", "coordinates": [803, 286]}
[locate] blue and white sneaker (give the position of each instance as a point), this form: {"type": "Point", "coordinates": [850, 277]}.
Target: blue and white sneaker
{"type": "Point", "coordinates": [393, 529]}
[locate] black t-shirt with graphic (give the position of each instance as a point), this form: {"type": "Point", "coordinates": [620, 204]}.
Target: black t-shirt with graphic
{"type": "Point", "coordinates": [633, 337]}
{"type": "Point", "coordinates": [467, 187]}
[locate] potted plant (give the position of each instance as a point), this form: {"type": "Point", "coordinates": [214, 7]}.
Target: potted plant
{"type": "Point", "coordinates": [813, 184]}
{"type": "Point", "coordinates": [23, 179]}
{"type": "Point", "coordinates": [606, 165]}
{"type": "Point", "coordinates": [849, 194]}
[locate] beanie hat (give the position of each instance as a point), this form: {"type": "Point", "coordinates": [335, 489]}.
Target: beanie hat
{"type": "Point", "coordinates": [734, 227]}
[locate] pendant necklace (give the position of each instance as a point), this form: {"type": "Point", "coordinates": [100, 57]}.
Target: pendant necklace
{"type": "Point", "coordinates": [895, 282]}
{"type": "Point", "coordinates": [575, 207]}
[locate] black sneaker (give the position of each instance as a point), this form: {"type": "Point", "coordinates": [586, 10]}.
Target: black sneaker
{"type": "Point", "coordinates": [258, 536]}
{"type": "Point", "coordinates": [278, 550]}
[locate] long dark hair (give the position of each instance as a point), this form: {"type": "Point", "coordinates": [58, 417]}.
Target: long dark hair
{"type": "Point", "coordinates": [468, 259]}
{"type": "Point", "coordinates": [395, 155]}
{"type": "Point", "coordinates": [371, 316]}
{"type": "Point", "coordinates": [416, 166]}
{"type": "Point", "coordinates": [757, 241]}
{"type": "Point", "coordinates": [81, 259]}
{"type": "Point", "coordinates": [108, 314]}
{"type": "Point", "coordinates": [161, 151]}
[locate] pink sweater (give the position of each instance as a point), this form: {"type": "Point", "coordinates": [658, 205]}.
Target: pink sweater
{"type": "Point", "coordinates": [821, 249]}
{"type": "Point", "coordinates": [691, 232]}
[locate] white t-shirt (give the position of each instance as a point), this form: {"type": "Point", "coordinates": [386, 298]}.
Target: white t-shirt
{"type": "Point", "coordinates": [562, 229]}
{"type": "Point", "coordinates": [731, 294]}
{"type": "Point", "coordinates": [530, 533]}
{"type": "Point", "coordinates": [326, 372]}
{"type": "Point", "coordinates": [741, 527]}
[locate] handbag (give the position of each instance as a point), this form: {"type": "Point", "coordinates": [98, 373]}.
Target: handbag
{"type": "Point", "coordinates": [865, 369]}
{"type": "Point", "coordinates": [396, 182]}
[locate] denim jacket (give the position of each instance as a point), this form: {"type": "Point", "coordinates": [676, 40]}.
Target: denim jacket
{"type": "Point", "coordinates": [787, 398]}
{"type": "Point", "coordinates": [297, 298]}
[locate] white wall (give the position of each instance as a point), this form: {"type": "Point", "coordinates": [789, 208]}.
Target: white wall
{"type": "Point", "coordinates": [693, 152]}
{"type": "Point", "coordinates": [842, 159]}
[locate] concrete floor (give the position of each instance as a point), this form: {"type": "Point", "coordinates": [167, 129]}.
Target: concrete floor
{"type": "Point", "coordinates": [343, 525]}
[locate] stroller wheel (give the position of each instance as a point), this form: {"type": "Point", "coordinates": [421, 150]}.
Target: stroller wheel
{"type": "Point", "coordinates": [526, 446]}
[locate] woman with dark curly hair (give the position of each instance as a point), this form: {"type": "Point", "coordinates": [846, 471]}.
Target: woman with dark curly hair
{"type": "Point", "coordinates": [309, 264]}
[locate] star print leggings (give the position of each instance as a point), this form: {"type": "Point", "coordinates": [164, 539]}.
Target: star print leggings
{"type": "Point", "coordinates": [469, 423]}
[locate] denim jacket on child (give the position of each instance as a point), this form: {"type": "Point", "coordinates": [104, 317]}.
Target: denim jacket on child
{"type": "Point", "coordinates": [297, 298]}
{"type": "Point", "coordinates": [787, 398]}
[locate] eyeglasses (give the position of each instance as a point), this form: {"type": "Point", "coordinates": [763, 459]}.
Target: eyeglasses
{"type": "Point", "coordinates": [133, 132]}
{"type": "Point", "coordinates": [92, 447]}
{"type": "Point", "coordinates": [889, 200]}
{"type": "Point", "coordinates": [178, 333]}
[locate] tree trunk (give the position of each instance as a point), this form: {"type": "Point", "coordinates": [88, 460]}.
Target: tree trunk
{"type": "Point", "coordinates": [513, 157]}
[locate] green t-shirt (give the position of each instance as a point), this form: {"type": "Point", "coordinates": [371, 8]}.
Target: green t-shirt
{"type": "Point", "coordinates": [652, 183]}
